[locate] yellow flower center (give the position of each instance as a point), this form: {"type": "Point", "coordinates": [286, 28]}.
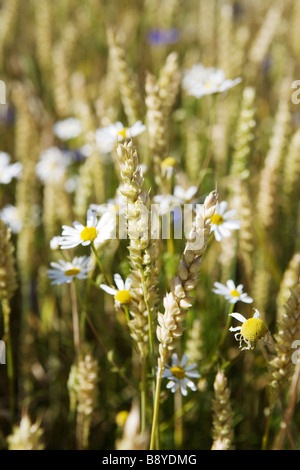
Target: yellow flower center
{"type": "Point", "coordinates": [234, 293]}
{"type": "Point", "coordinates": [121, 418]}
{"type": "Point", "coordinates": [88, 234]}
{"type": "Point", "coordinates": [208, 85]}
{"type": "Point", "coordinates": [217, 219]}
{"type": "Point", "coordinates": [72, 272]}
{"type": "Point", "coordinates": [122, 133]}
{"type": "Point", "coordinates": [123, 296]}
{"type": "Point", "coordinates": [178, 372]}
{"type": "Point", "coordinates": [169, 162]}
{"type": "Point", "coordinates": [254, 329]}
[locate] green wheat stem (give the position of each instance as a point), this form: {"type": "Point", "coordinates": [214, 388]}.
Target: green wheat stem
{"type": "Point", "coordinates": [151, 336]}
{"type": "Point", "coordinates": [156, 408]}
{"type": "Point", "coordinates": [143, 393]}
{"type": "Point", "coordinates": [10, 364]}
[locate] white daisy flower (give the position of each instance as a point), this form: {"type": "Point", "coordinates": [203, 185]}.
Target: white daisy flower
{"type": "Point", "coordinates": [52, 165]}
{"type": "Point", "coordinates": [199, 81]}
{"type": "Point", "coordinates": [107, 137]}
{"type": "Point", "coordinates": [55, 243]}
{"type": "Point", "coordinates": [251, 331]}
{"type": "Point", "coordinates": [166, 202]}
{"type": "Point", "coordinates": [231, 292]}
{"type": "Point", "coordinates": [95, 231]}
{"type": "Point", "coordinates": [168, 167]}
{"type": "Point", "coordinates": [67, 129]}
{"type": "Point", "coordinates": [122, 294]}
{"type": "Point", "coordinates": [11, 216]}
{"type": "Point", "coordinates": [7, 171]}
{"type": "Point", "coordinates": [221, 222]}
{"type": "Point", "coordinates": [179, 375]}
{"type": "Point", "coordinates": [185, 195]}
{"type": "Point", "coordinates": [65, 271]}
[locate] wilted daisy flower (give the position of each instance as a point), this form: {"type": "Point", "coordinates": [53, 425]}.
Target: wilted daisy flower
{"type": "Point", "coordinates": [251, 330]}
{"type": "Point", "coordinates": [122, 294]}
{"type": "Point", "coordinates": [231, 292]}
{"type": "Point", "coordinates": [65, 271]}
{"type": "Point", "coordinates": [7, 171]}
{"type": "Point", "coordinates": [95, 231]}
{"type": "Point", "coordinates": [11, 216]}
{"type": "Point", "coordinates": [199, 81]}
{"type": "Point", "coordinates": [107, 137]}
{"type": "Point", "coordinates": [67, 129]}
{"type": "Point", "coordinates": [52, 165]}
{"type": "Point", "coordinates": [221, 222]}
{"type": "Point", "coordinates": [179, 375]}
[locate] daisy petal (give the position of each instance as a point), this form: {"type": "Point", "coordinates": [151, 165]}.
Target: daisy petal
{"type": "Point", "coordinates": [119, 281]}
{"type": "Point", "coordinates": [184, 360]}
{"type": "Point", "coordinates": [256, 314]}
{"type": "Point", "coordinates": [230, 285]}
{"type": "Point", "coordinates": [238, 317]}
{"type": "Point", "coordinates": [222, 207]}
{"type": "Point", "coordinates": [108, 289]}
{"type": "Point", "coordinates": [128, 283]}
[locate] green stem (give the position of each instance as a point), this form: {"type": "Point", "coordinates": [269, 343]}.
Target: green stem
{"type": "Point", "coordinates": [226, 328]}
{"type": "Point", "coordinates": [151, 339]}
{"type": "Point", "coordinates": [9, 357]}
{"type": "Point", "coordinates": [178, 426]}
{"type": "Point", "coordinates": [105, 350]}
{"type": "Point", "coordinates": [209, 151]}
{"type": "Point", "coordinates": [99, 263]}
{"type": "Point", "coordinates": [75, 316]}
{"type": "Point", "coordinates": [151, 342]}
{"type": "Point", "coordinates": [108, 355]}
{"type": "Point", "coordinates": [126, 311]}
{"type": "Point", "coordinates": [267, 430]}
{"type": "Point", "coordinates": [156, 408]}
{"type": "Point", "coordinates": [143, 393]}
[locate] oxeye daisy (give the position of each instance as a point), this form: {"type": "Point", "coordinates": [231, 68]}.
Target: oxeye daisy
{"type": "Point", "coordinates": [67, 129]}
{"type": "Point", "coordinates": [122, 294]}
{"type": "Point", "coordinates": [95, 231]}
{"type": "Point", "coordinates": [107, 137]}
{"type": "Point", "coordinates": [199, 81]}
{"type": "Point", "coordinates": [65, 271]}
{"type": "Point", "coordinates": [12, 217]}
{"type": "Point", "coordinates": [179, 375]}
{"type": "Point", "coordinates": [185, 196]}
{"type": "Point", "coordinates": [8, 171]}
{"type": "Point", "coordinates": [252, 330]}
{"type": "Point", "coordinates": [221, 222]}
{"type": "Point", "coordinates": [52, 166]}
{"type": "Point", "coordinates": [231, 292]}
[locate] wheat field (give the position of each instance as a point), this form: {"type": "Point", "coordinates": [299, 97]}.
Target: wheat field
{"type": "Point", "coordinates": [149, 225]}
